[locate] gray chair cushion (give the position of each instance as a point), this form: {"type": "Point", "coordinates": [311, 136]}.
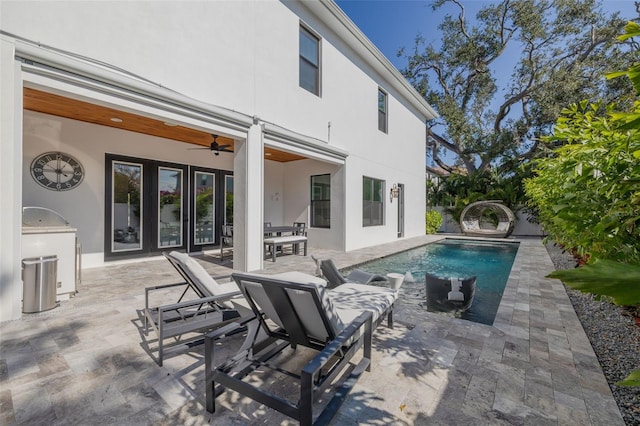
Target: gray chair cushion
{"type": "Point", "coordinates": [201, 277]}
{"type": "Point", "coordinates": [309, 315]}
{"type": "Point", "coordinates": [364, 277]}
{"type": "Point", "coordinates": [259, 296]}
{"type": "Point", "coordinates": [351, 299]}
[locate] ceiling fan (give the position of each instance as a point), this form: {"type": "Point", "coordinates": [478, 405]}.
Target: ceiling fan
{"type": "Point", "coordinates": [215, 147]}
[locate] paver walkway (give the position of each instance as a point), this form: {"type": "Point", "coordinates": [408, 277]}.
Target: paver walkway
{"type": "Point", "coordinates": [85, 362]}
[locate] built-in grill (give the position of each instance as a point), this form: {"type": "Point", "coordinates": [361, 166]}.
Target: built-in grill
{"type": "Point", "coordinates": [40, 217]}
{"type": "Point", "coordinates": [46, 233]}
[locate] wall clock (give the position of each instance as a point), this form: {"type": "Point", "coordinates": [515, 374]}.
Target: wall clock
{"type": "Point", "coordinates": [57, 171]}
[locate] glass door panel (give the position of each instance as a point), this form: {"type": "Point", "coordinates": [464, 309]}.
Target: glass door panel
{"type": "Point", "coordinates": [204, 208]}
{"type": "Point", "coordinates": [153, 206]}
{"type": "Point", "coordinates": [170, 214]}
{"type": "Point", "coordinates": [228, 200]}
{"type": "Point", "coordinates": [126, 199]}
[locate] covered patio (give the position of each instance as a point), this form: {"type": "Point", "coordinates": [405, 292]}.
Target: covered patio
{"type": "Point", "coordinates": [85, 361]}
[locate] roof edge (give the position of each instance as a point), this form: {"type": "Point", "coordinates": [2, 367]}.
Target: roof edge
{"type": "Point", "coordinates": [33, 53]}
{"type": "Point", "coordinates": [335, 18]}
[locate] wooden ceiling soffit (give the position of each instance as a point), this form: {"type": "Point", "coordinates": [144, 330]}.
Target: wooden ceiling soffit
{"type": "Point", "coordinates": [49, 103]}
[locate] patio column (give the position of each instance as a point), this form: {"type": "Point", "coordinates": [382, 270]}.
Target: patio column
{"type": "Point", "coordinates": [248, 180]}
{"type": "Point", "coordinates": [11, 188]}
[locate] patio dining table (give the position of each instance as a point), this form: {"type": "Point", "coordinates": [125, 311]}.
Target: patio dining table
{"type": "Point", "coordinates": [279, 230]}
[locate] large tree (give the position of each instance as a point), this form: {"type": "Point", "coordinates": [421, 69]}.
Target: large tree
{"type": "Point", "coordinates": [553, 52]}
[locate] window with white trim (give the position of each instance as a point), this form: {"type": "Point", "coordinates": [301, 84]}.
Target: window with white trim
{"type": "Point", "coordinates": [382, 111]}
{"type": "Point", "coordinates": [309, 61]}
{"type": "Point", "coordinates": [321, 201]}
{"type": "Point", "coordinates": [372, 201]}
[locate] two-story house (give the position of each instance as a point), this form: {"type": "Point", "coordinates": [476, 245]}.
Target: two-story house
{"type": "Point", "coordinates": [149, 125]}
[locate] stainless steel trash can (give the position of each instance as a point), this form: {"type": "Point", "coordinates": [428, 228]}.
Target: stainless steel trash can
{"type": "Point", "coordinates": [39, 278]}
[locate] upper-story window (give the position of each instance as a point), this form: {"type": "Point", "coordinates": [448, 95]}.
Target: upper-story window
{"type": "Point", "coordinates": [382, 111]}
{"type": "Point", "coordinates": [309, 61]}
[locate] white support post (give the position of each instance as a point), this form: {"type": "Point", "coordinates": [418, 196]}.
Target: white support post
{"type": "Point", "coordinates": [11, 177]}
{"type": "Point", "coordinates": [339, 208]}
{"type": "Point", "coordinates": [248, 178]}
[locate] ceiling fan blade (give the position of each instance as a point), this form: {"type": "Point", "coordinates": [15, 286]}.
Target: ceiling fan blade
{"type": "Point", "coordinates": [218, 147]}
{"type": "Point", "coordinates": [215, 147]}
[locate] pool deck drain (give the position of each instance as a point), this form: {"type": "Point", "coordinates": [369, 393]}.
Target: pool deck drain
{"type": "Point", "coordinates": [86, 362]}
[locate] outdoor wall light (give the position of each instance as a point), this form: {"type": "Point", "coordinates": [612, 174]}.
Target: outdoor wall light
{"type": "Point", "coordinates": [394, 192]}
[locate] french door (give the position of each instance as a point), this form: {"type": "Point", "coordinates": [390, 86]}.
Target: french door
{"type": "Point", "coordinates": [153, 206]}
{"type": "Point", "coordinates": [211, 200]}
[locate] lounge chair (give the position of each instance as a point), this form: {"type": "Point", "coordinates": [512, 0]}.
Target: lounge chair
{"type": "Point", "coordinates": [336, 323]}
{"type": "Point", "coordinates": [335, 278]}
{"type": "Point", "coordinates": [215, 305]}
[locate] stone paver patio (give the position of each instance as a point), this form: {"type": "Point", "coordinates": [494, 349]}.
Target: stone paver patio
{"type": "Point", "coordinates": [86, 362]}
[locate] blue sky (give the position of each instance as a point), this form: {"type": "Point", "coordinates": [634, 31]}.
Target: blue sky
{"type": "Point", "coordinates": [393, 24]}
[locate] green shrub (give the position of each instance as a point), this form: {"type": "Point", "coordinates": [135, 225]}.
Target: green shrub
{"type": "Point", "coordinates": [457, 191]}
{"type": "Point", "coordinates": [586, 190]}
{"type": "Point", "coordinates": [433, 220]}
{"type": "Point", "coordinates": [586, 193]}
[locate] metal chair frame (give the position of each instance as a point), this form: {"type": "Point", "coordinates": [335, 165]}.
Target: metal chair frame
{"type": "Point", "coordinates": [316, 376]}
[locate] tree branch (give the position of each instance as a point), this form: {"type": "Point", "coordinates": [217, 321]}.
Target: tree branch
{"type": "Point", "coordinates": [463, 28]}
{"type": "Point", "coordinates": [439, 140]}
{"type": "Point", "coordinates": [585, 54]}
{"type": "Point", "coordinates": [503, 40]}
{"type": "Point", "coordinates": [530, 153]}
{"type": "Point", "coordinates": [441, 79]}
{"type": "Point", "coordinates": [563, 44]}
{"type": "Point", "coordinates": [468, 161]}
{"type": "Point", "coordinates": [438, 160]}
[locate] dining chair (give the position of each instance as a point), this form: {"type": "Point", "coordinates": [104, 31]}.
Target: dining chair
{"type": "Point", "coordinates": [226, 239]}
{"type": "Point", "coordinates": [301, 228]}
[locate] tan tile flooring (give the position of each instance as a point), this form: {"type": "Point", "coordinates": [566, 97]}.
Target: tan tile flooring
{"type": "Point", "coordinates": [86, 362]}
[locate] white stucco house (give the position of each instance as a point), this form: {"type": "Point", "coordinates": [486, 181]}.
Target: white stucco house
{"type": "Point", "coordinates": [109, 111]}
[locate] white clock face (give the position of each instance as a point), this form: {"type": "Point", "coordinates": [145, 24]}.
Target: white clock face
{"type": "Point", "coordinates": [57, 171]}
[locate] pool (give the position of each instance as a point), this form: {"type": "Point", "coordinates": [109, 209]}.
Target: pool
{"type": "Point", "coordinates": [490, 261]}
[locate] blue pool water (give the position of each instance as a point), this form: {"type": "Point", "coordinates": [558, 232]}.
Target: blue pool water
{"type": "Point", "coordinates": [489, 261]}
